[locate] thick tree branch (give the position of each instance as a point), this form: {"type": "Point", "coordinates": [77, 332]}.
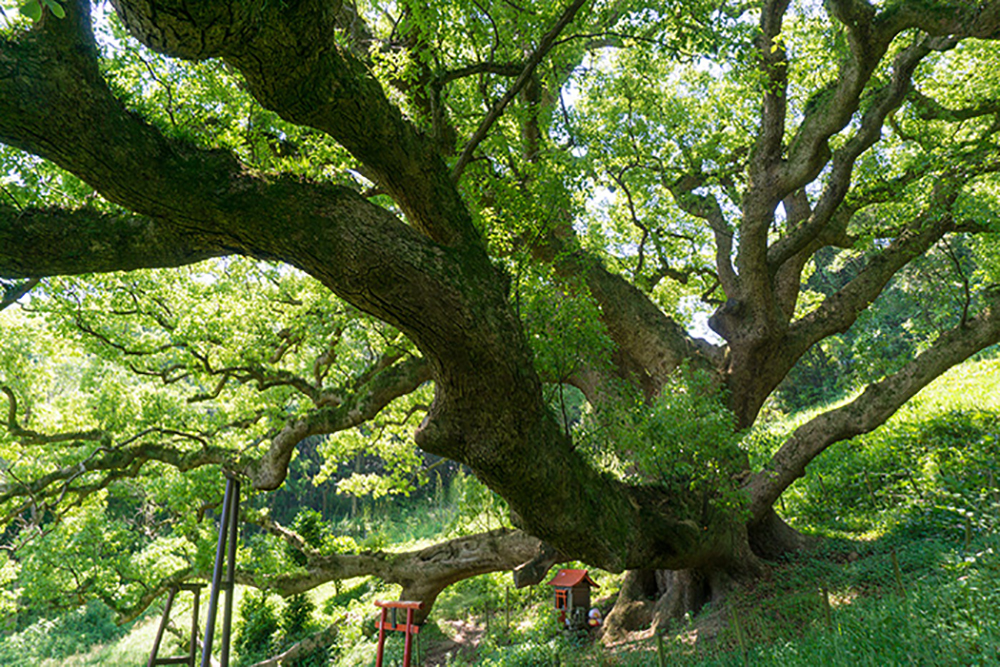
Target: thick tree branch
{"type": "Point", "coordinates": [871, 409]}
{"type": "Point", "coordinates": [758, 369]}
{"type": "Point", "coordinates": [39, 242]}
{"type": "Point", "coordinates": [203, 197]}
{"type": "Point", "coordinates": [776, 172]}
{"type": "Point", "coordinates": [452, 302]}
{"type": "Point", "coordinates": [927, 108]}
{"type": "Point", "coordinates": [423, 574]}
{"type": "Point", "coordinates": [475, 69]}
{"type": "Point", "coordinates": [14, 291]}
{"type": "Point", "coordinates": [773, 178]}
{"type": "Point", "coordinates": [839, 310]}
{"type": "Point", "coordinates": [869, 35]}
{"type": "Point", "coordinates": [708, 209]}
{"type": "Point", "coordinates": [29, 437]}
{"type": "Point", "coordinates": [942, 17]}
{"type": "Point", "coordinates": [884, 102]}
{"type": "Point", "coordinates": [294, 66]}
{"type": "Point", "coordinates": [774, 66]}
{"type": "Point", "coordinates": [755, 298]}
{"type": "Point", "coordinates": [642, 330]}
{"type": "Point", "coordinates": [119, 462]}
{"type": "Point", "coordinates": [346, 409]}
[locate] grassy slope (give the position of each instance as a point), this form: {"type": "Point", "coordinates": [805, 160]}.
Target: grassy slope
{"type": "Point", "coordinates": [909, 572]}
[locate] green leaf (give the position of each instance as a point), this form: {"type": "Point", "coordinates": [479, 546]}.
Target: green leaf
{"type": "Point", "coordinates": [32, 10]}
{"type": "Point", "coordinates": [56, 9]}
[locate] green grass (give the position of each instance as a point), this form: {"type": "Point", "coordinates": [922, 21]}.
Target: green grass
{"type": "Point", "coordinates": [86, 636]}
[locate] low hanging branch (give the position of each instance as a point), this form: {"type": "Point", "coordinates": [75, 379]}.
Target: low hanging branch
{"type": "Point", "coordinates": [357, 404]}
{"type": "Point", "coordinates": [117, 463]}
{"type": "Point", "coordinates": [871, 409]}
{"type": "Point", "coordinates": [423, 573]}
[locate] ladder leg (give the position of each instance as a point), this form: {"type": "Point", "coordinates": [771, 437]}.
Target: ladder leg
{"type": "Point", "coordinates": [227, 613]}
{"type": "Point", "coordinates": [213, 602]}
{"type": "Point", "coordinates": [193, 652]}
{"type": "Point", "coordinates": [163, 626]}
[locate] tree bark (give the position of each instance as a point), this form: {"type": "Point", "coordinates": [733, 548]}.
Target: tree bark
{"type": "Point", "coordinates": [451, 301]}
{"type": "Point", "coordinates": [423, 573]}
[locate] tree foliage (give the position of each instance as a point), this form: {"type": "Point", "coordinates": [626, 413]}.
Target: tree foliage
{"type": "Point", "coordinates": [484, 231]}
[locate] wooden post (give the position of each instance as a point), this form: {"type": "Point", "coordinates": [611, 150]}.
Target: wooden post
{"type": "Point", "coordinates": [381, 638]}
{"type": "Point", "coordinates": [193, 649]}
{"type": "Point", "coordinates": [507, 607]}
{"type": "Point", "coordinates": [408, 642]}
{"type": "Point", "coordinates": [227, 525]}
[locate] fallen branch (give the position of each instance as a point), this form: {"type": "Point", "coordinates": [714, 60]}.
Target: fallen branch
{"type": "Point", "coordinates": [303, 648]}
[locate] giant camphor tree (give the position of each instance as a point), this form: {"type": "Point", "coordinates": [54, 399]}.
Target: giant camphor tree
{"type": "Point", "coordinates": [522, 196]}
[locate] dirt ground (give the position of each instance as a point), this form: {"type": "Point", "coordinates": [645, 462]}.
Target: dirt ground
{"type": "Point", "coordinates": [464, 638]}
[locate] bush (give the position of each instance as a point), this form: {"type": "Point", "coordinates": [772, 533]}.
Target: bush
{"type": "Point", "coordinates": [309, 525]}
{"type": "Point", "coordinates": [296, 617]}
{"type": "Point", "coordinates": [255, 628]}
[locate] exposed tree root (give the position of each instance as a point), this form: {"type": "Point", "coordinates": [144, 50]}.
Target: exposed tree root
{"type": "Point", "coordinates": [655, 600]}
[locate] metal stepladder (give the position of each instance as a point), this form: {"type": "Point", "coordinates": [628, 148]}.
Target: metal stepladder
{"type": "Point", "coordinates": [192, 651]}
{"type": "Point", "coordinates": [228, 533]}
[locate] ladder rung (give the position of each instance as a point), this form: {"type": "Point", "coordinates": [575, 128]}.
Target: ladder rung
{"type": "Point", "coordinates": [186, 660]}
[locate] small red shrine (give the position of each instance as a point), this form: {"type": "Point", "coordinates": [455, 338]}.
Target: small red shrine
{"type": "Point", "coordinates": [572, 589]}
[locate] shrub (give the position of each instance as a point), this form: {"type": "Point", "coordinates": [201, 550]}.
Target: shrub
{"type": "Point", "coordinates": [255, 628]}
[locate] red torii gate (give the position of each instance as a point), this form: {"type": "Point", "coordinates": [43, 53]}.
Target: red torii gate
{"type": "Point", "coordinates": [410, 628]}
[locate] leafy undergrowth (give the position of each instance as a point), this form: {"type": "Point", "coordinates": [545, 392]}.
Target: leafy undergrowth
{"type": "Point", "coordinates": [888, 601]}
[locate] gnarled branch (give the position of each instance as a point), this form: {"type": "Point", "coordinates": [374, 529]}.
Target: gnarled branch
{"type": "Point", "coordinates": [872, 408]}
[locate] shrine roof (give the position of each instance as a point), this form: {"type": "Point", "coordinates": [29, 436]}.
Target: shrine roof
{"type": "Point", "coordinates": [570, 578]}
